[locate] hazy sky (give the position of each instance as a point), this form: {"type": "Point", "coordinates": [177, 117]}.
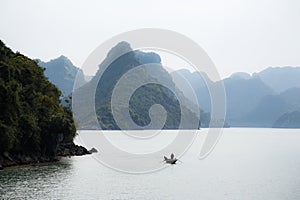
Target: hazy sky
{"type": "Point", "coordinates": [238, 35]}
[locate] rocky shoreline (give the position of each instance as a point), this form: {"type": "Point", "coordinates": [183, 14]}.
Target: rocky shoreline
{"type": "Point", "coordinates": [63, 150]}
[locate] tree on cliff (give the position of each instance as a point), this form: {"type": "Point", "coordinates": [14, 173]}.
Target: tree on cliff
{"type": "Point", "coordinates": [32, 120]}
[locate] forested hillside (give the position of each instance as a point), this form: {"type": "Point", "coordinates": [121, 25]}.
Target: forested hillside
{"type": "Point", "coordinates": [32, 121]}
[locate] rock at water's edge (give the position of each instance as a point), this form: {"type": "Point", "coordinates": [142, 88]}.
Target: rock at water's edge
{"type": "Point", "coordinates": [93, 150]}
{"type": "Point", "coordinates": [71, 149]}
{"type": "Point", "coordinates": [67, 149]}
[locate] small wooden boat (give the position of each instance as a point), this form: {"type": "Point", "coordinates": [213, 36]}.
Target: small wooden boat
{"type": "Point", "coordinates": [171, 160]}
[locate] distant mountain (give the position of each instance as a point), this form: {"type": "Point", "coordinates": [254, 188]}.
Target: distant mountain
{"type": "Point", "coordinates": [252, 101]}
{"type": "Point", "coordinates": [241, 75]}
{"type": "Point", "coordinates": [288, 120]}
{"type": "Point", "coordinates": [271, 107]}
{"type": "Point", "coordinates": [256, 100]}
{"type": "Point", "coordinates": [62, 73]}
{"type": "Point", "coordinates": [292, 97]}
{"type": "Point", "coordinates": [104, 82]}
{"type": "Point", "coordinates": [198, 82]}
{"type": "Point", "coordinates": [280, 78]}
{"type": "Point", "coordinates": [243, 93]}
{"type": "Point", "coordinates": [268, 109]}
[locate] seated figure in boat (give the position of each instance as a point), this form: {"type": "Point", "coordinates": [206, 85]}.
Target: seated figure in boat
{"type": "Point", "coordinates": [172, 160]}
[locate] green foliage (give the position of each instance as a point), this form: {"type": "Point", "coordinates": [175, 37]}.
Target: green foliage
{"type": "Point", "coordinates": [31, 119]}
{"type": "Point", "coordinates": [150, 94]}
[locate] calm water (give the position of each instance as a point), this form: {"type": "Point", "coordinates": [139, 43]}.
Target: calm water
{"type": "Point", "coordinates": [246, 164]}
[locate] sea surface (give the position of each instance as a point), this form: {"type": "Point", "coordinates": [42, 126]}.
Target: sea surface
{"type": "Point", "coordinates": [245, 164]}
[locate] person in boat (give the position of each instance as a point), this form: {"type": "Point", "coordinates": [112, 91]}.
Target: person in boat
{"type": "Point", "coordinates": [172, 156]}
{"type": "Point", "coordinates": [172, 160]}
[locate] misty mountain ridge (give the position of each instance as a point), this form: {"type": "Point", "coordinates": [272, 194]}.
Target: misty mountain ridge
{"type": "Point", "coordinates": [256, 100]}
{"type": "Point", "coordinates": [111, 70]}
{"type": "Point", "coordinates": [62, 73]}
{"type": "Point", "coordinates": [280, 78]}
